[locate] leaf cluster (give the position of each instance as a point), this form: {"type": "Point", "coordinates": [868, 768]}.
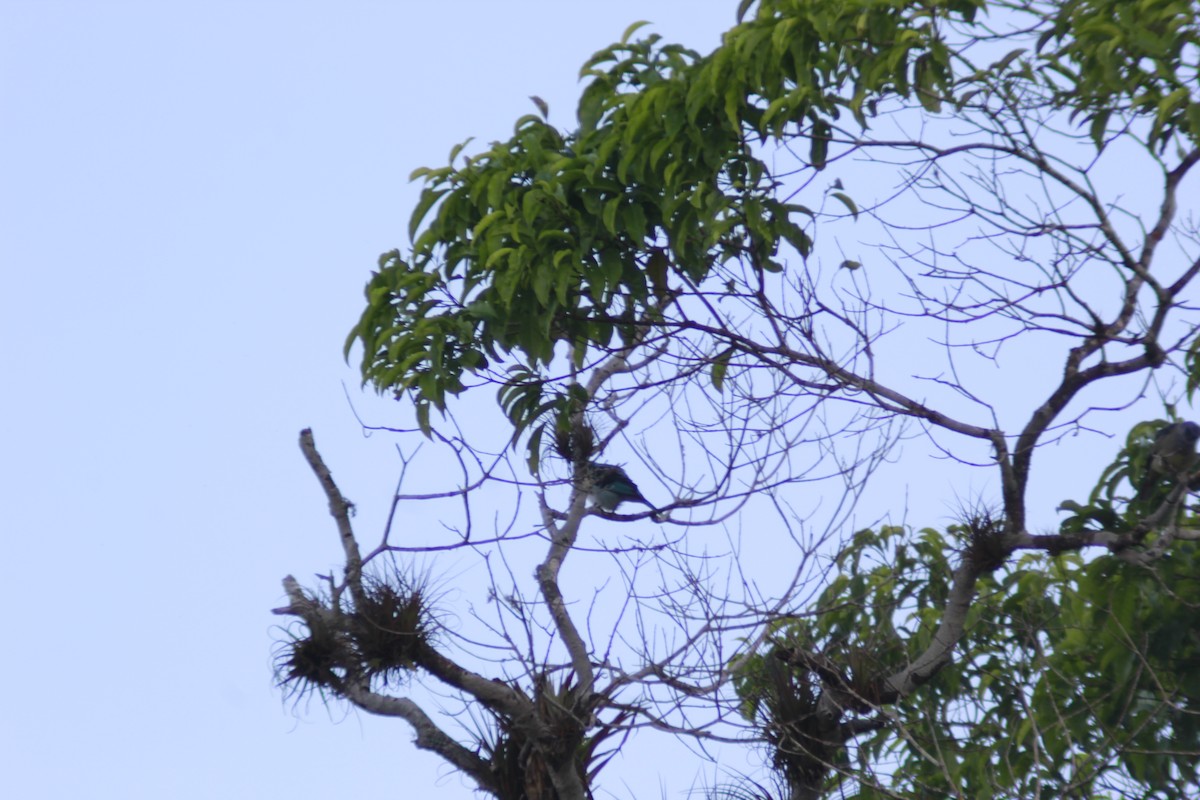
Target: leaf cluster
{"type": "Point", "coordinates": [1127, 58]}
{"type": "Point", "coordinates": [1128, 489]}
{"type": "Point", "coordinates": [1073, 674]}
{"type": "Point", "coordinates": [584, 237]}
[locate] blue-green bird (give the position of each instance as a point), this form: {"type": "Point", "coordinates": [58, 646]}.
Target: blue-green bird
{"type": "Point", "coordinates": [610, 486]}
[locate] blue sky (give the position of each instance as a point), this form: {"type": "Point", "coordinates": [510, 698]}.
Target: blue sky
{"type": "Point", "coordinates": [192, 196]}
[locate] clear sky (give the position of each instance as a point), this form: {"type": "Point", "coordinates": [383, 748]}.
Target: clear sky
{"type": "Point", "coordinates": [192, 195]}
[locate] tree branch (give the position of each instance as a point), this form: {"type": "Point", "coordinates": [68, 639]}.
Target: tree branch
{"type": "Point", "coordinates": [339, 509]}
{"type": "Point", "coordinates": [429, 736]}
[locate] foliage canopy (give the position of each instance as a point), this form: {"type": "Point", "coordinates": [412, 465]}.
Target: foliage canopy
{"type": "Point", "coordinates": [854, 225]}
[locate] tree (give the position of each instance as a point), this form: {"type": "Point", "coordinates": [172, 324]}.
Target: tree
{"type": "Point", "coordinates": [855, 233]}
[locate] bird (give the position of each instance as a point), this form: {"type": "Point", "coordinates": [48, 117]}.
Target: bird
{"type": "Point", "coordinates": [1172, 455]}
{"type": "Point", "coordinates": [609, 486]}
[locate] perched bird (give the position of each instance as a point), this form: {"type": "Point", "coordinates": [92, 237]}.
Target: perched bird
{"type": "Point", "coordinates": [1173, 454]}
{"type": "Point", "coordinates": [609, 486]}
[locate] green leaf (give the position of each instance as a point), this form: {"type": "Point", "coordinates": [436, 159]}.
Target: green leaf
{"type": "Point", "coordinates": [796, 237]}
{"type": "Point", "coordinates": [498, 255]}
{"type": "Point", "coordinates": [1099, 127]}
{"type": "Point", "coordinates": [610, 214]}
{"type": "Point", "coordinates": [1002, 64]}
{"type": "Point", "coordinates": [423, 418]}
{"type": "Point", "coordinates": [534, 448]}
{"type": "Point", "coordinates": [924, 81]}
{"type": "Point", "coordinates": [631, 30]}
{"type": "Point", "coordinates": [458, 148]}
{"type": "Point", "coordinates": [487, 220]}
{"type": "Point", "coordinates": [428, 197]}
{"type": "Point", "coordinates": [847, 202]}
{"type": "Point", "coordinates": [820, 144]}
{"type": "Point", "coordinates": [720, 365]}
